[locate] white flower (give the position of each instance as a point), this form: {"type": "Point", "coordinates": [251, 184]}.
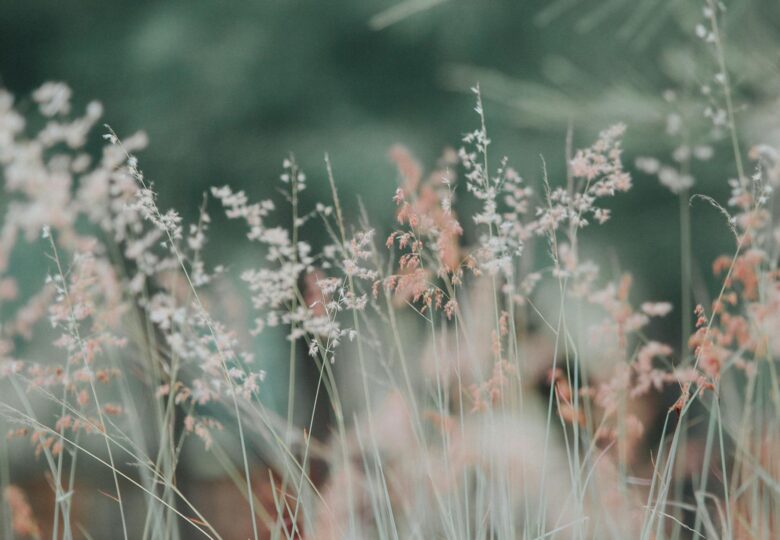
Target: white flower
{"type": "Point", "coordinates": [656, 309]}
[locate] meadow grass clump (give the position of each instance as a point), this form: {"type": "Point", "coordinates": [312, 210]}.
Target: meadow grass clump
{"type": "Point", "coordinates": [504, 386]}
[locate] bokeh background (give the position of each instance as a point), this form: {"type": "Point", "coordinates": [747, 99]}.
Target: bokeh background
{"type": "Point", "coordinates": [225, 90]}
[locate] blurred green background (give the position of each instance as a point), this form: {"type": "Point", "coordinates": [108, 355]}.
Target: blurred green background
{"type": "Point", "coordinates": [226, 90]}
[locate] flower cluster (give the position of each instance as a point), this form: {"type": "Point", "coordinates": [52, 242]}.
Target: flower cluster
{"type": "Point", "coordinates": [129, 292]}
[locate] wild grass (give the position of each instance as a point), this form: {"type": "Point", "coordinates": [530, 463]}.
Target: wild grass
{"type": "Point", "coordinates": [503, 386]}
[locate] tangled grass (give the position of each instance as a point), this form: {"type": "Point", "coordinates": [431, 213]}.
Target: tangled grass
{"type": "Point", "coordinates": [473, 389]}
